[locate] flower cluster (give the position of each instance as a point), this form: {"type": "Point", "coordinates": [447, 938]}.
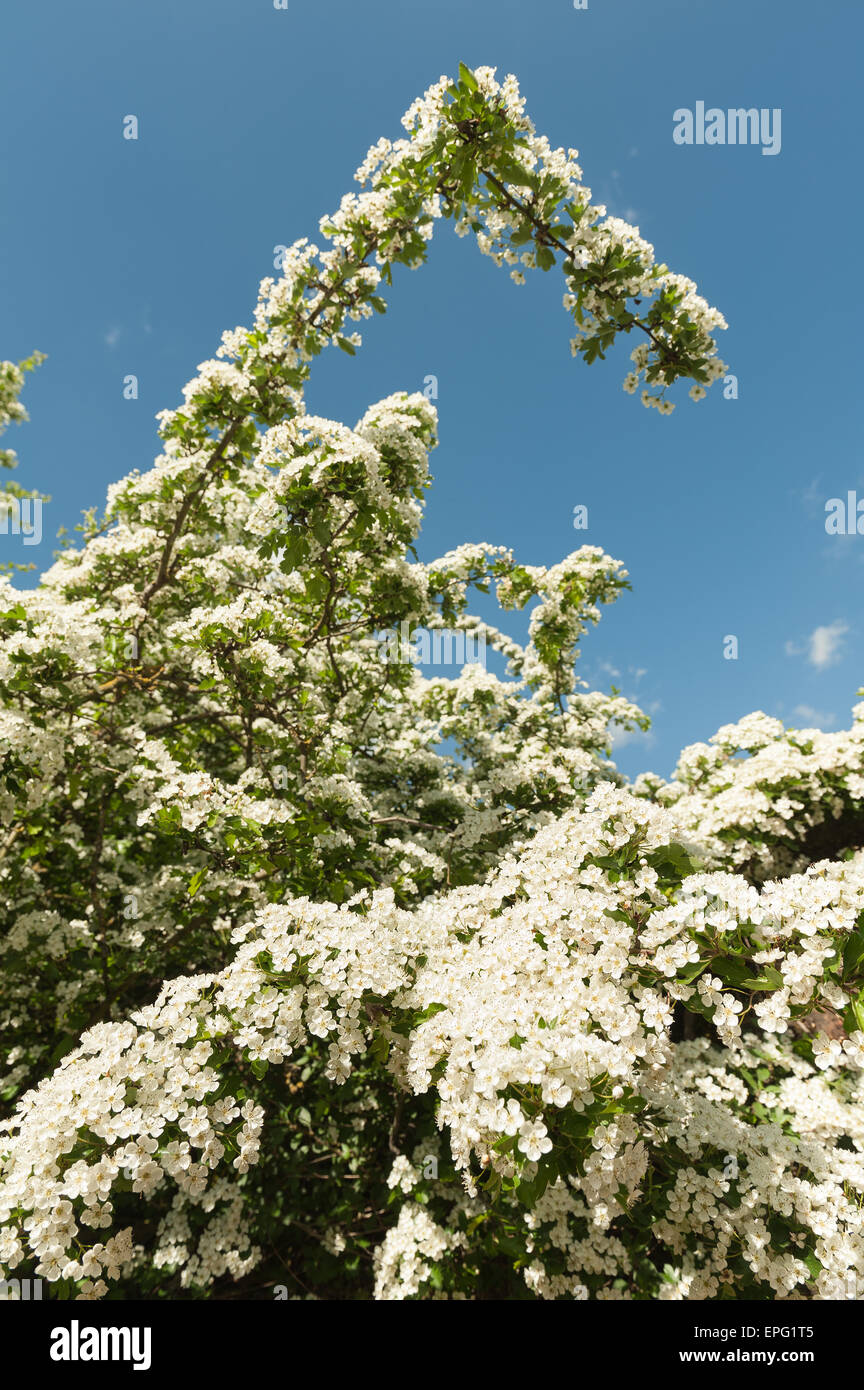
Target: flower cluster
{"type": "Point", "coordinates": [536, 1006]}
{"type": "Point", "coordinates": [319, 963]}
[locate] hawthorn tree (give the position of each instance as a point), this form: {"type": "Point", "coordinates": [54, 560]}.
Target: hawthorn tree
{"type": "Point", "coordinates": [325, 975]}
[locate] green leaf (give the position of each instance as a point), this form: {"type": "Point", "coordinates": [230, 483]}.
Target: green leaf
{"type": "Point", "coordinates": [735, 973]}
{"type": "Point", "coordinates": [853, 1014]}
{"type": "Point", "coordinates": [692, 972]}
{"type": "Point", "coordinates": [853, 954]}
{"type": "Point", "coordinates": [769, 978]}
{"type": "Point", "coordinates": [813, 1265]}
{"type": "Point", "coordinates": [676, 858]}
{"type": "Point", "coordinates": [430, 1011]}
{"type": "Point", "coordinates": [195, 882]}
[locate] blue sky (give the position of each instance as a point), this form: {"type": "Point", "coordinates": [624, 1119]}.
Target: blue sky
{"type": "Point", "coordinates": [132, 256]}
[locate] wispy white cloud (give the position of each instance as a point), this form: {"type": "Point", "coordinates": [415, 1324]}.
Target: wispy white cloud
{"type": "Point", "coordinates": [813, 496]}
{"type": "Point", "coordinates": [634, 672]}
{"type": "Point", "coordinates": [824, 645]}
{"type": "Point", "coordinates": [612, 196]}
{"type": "Point", "coordinates": [814, 718]}
{"type": "Point", "coordinates": [621, 737]}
